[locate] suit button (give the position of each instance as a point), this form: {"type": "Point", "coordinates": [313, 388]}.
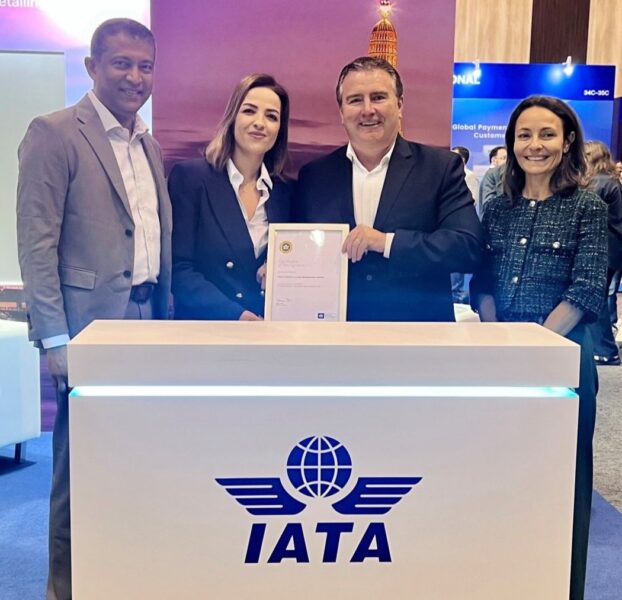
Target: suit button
{"type": "Point", "coordinates": [128, 232]}
{"type": "Point", "coordinates": [556, 245]}
{"type": "Point", "coordinates": [239, 295]}
{"type": "Point", "coordinates": [262, 293]}
{"type": "Point", "coordinates": [514, 279]}
{"type": "Point", "coordinates": [532, 203]}
{"type": "Point", "coordinates": [523, 241]}
{"type": "Point", "coordinates": [229, 265]}
{"type": "Point", "coordinates": [127, 274]}
{"type": "Point", "coordinates": [369, 277]}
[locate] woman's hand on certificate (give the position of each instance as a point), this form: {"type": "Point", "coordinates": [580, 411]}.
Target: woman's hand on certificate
{"type": "Point", "coordinates": [247, 315]}
{"type": "Point", "coordinates": [261, 276]}
{"type": "Point", "coordinates": [361, 239]}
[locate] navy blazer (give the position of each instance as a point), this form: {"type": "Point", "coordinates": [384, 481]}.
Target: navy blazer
{"type": "Point", "coordinates": [426, 203]}
{"type": "Point", "coordinates": [214, 264]}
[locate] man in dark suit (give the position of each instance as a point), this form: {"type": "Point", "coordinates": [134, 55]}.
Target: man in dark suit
{"type": "Point", "coordinates": [93, 229]}
{"type": "Point", "coordinates": [411, 214]}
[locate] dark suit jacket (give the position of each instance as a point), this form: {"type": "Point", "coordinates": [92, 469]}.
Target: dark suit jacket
{"type": "Point", "coordinates": [610, 191]}
{"type": "Point", "coordinates": [426, 203]}
{"type": "Point", "coordinates": [75, 229]}
{"type": "Point", "coordinates": [214, 264]}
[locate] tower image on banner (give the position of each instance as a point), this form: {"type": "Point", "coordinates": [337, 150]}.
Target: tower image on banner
{"type": "Point", "coordinates": [383, 39]}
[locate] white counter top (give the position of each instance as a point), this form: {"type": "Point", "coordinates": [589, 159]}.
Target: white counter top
{"type": "Point", "coordinates": [262, 353]}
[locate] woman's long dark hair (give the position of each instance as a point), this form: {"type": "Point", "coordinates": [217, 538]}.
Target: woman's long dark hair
{"type": "Point", "coordinates": [571, 171]}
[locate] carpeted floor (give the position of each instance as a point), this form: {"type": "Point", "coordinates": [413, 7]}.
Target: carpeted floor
{"type": "Point", "coordinates": [608, 437]}
{"type": "Point", "coordinates": [24, 491]}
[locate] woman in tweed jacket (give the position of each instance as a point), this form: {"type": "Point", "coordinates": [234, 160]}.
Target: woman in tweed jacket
{"type": "Point", "coordinates": [546, 262]}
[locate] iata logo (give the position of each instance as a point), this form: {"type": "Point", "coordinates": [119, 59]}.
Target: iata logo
{"type": "Point", "coordinates": [319, 467]}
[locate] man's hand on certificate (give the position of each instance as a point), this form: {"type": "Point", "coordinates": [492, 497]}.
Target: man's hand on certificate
{"type": "Point", "coordinates": [362, 239]}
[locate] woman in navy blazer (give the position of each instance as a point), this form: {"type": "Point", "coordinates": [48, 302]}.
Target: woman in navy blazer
{"type": "Point", "coordinates": [223, 203]}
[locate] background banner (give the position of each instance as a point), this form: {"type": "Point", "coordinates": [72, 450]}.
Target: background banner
{"type": "Point", "coordinates": [485, 94]}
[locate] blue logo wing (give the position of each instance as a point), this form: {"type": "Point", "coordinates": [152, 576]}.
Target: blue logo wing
{"type": "Point", "coordinates": [262, 495]}
{"type": "Point", "coordinates": [375, 495]}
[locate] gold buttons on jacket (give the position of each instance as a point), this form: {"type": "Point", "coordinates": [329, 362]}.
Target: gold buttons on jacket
{"type": "Point", "coordinates": [229, 265]}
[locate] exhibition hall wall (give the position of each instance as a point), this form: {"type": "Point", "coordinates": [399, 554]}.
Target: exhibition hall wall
{"type": "Point", "coordinates": [42, 48]}
{"type": "Point", "coordinates": [485, 95]}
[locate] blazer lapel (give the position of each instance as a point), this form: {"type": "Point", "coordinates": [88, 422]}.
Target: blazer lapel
{"type": "Point", "coordinates": [400, 166]}
{"type": "Point", "coordinates": [342, 179]}
{"type": "Point", "coordinates": [93, 130]}
{"type": "Point", "coordinates": [155, 162]}
{"type": "Point", "coordinates": [229, 216]}
{"type": "Point", "coordinates": [277, 208]}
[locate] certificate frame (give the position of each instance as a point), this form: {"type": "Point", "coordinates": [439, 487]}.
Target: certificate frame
{"type": "Point", "coordinates": [338, 232]}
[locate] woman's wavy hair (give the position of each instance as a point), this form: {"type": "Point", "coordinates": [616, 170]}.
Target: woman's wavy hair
{"type": "Point", "coordinates": [599, 159]}
{"type": "Point", "coordinates": [571, 171]}
{"type": "Point", "coordinates": [220, 149]}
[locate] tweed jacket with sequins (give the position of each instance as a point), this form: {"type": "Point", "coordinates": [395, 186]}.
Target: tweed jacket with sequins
{"type": "Point", "coordinates": [539, 253]}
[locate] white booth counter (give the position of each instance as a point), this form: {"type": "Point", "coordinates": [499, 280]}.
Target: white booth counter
{"type": "Point", "coordinates": [279, 353]}
{"type": "Point", "coordinates": [332, 460]}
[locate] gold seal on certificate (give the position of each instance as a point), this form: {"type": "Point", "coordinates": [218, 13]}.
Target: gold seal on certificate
{"type": "Point", "coordinates": [307, 273]}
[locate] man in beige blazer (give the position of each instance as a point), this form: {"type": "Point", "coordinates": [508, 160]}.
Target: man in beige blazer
{"type": "Point", "coordinates": [93, 228]}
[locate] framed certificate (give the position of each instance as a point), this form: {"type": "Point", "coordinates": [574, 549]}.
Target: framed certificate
{"type": "Point", "coordinates": [307, 273]}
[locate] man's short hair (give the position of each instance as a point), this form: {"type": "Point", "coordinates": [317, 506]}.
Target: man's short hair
{"type": "Point", "coordinates": [369, 63]}
{"type": "Point", "coordinates": [111, 27]}
{"type": "Point", "coordinates": [463, 152]}
{"type": "Point", "coordinates": [494, 152]}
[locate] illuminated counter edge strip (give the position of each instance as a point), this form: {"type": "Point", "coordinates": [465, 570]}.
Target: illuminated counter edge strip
{"type": "Point", "coordinates": [314, 391]}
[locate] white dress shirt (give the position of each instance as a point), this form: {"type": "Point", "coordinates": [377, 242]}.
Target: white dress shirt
{"type": "Point", "coordinates": [473, 184]}
{"type": "Point", "coordinates": [367, 189]}
{"type": "Point", "coordinates": [141, 191]}
{"type": "Point", "coordinates": [258, 224]}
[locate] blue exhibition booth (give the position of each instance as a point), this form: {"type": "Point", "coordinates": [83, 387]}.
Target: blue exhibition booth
{"type": "Point", "coordinates": [486, 93]}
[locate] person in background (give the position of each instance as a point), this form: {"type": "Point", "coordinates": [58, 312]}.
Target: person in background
{"type": "Point", "coordinates": [498, 156]}
{"type": "Point", "coordinates": [603, 181]}
{"type": "Point", "coordinates": [612, 297]}
{"type": "Point", "coordinates": [492, 181]}
{"type": "Point", "coordinates": [93, 230]}
{"type": "Point", "coordinates": [411, 216]}
{"type": "Point", "coordinates": [546, 262]}
{"type": "Point", "coordinates": [459, 292]}
{"type": "Point", "coordinates": [223, 203]}
{"type": "Point", "coordinates": [471, 179]}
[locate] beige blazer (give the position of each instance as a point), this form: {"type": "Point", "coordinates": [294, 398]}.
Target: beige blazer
{"type": "Point", "coordinates": [75, 231]}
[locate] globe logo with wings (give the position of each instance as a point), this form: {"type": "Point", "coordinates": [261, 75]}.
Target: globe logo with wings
{"type": "Point", "coordinates": [318, 467]}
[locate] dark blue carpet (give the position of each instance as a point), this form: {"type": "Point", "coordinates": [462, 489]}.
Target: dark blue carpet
{"type": "Point", "coordinates": [24, 508]}
{"type": "Point", "coordinates": [23, 530]}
